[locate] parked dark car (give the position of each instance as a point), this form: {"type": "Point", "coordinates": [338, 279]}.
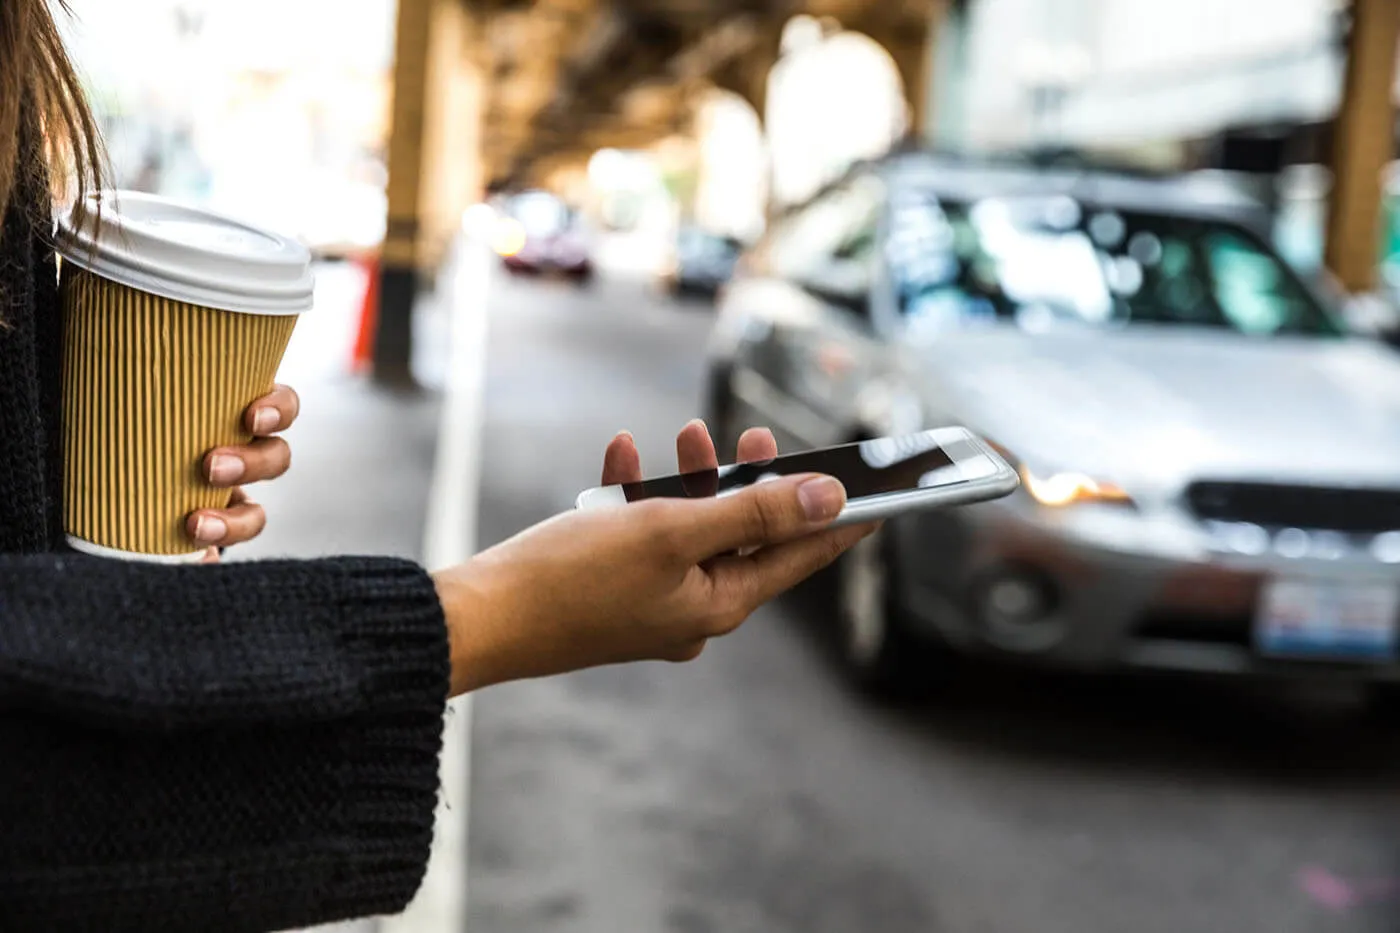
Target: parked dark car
{"type": "Point", "coordinates": [539, 233]}
{"type": "Point", "coordinates": [1210, 463]}
{"type": "Point", "coordinates": [701, 262]}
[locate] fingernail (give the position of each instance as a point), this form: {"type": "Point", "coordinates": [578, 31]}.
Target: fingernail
{"type": "Point", "coordinates": [225, 468]}
{"type": "Point", "coordinates": [821, 498]}
{"type": "Point", "coordinates": [209, 528]}
{"type": "Point", "coordinates": [626, 434]}
{"type": "Point", "coordinates": [699, 421]}
{"type": "Point", "coordinates": [265, 420]}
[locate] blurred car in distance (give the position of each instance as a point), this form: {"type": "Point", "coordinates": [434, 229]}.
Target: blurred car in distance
{"type": "Point", "coordinates": [1211, 463]}
{"type": "Point", "coordinates": [700, 262]}
{"type": "Point", "coordinates": [536, 232]}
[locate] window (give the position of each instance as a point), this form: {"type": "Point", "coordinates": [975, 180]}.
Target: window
{"type": "Point", "coordinates": [1054, 261]}
{"type": "Point", "coordinates": [540, 213]}
{"type": "Point", "coordinates": [1253, 290]}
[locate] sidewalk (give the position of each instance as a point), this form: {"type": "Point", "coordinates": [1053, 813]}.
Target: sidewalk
{"type": "Point", "coordinates": [362, 457]}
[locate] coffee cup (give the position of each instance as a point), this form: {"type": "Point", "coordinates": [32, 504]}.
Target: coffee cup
{"type": "Point", "coordinates": [175, 320]}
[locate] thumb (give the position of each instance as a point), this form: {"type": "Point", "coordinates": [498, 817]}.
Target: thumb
{"type": "Point", "coordinates": [766, 513]}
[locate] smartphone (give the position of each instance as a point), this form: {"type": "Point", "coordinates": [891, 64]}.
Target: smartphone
{"type": "Point", "coordinates": [883, 477]}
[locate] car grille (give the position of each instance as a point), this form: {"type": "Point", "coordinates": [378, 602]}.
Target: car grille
{"type": "Point", "coordinates": [1311, 507]}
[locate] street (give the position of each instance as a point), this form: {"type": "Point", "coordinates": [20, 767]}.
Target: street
{"type": "Point", "coordinates": [753, 791]}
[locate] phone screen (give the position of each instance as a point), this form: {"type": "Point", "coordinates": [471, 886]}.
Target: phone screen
{"type": "Point", "coordinates": [870, 468]}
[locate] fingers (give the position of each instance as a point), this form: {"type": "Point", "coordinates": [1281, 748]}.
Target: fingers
{"type": "Point", "coordinates": [756, 445]}
{"type": "Point", "coordinates": [752, 581]}
{"type": "Point", "coordinates": [764, 514]}
{"type": "Point", "coordinates": [694, 449]}
{"type": "Point", "coordinates": [621, 462]}
{"type": "Point", "coordinates": [265, 458]}
{"type": "Point", "coordinates": [695, 452]}
{"type": "Point", "coordinates": [241, 521]}
{"type": "Point", "coordinates": [273, 412]}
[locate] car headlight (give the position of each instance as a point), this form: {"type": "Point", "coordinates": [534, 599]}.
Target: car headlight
{"type": "Point", "coordinates": [1066, 488]}
{"type": "Point", "coordinates": [509, 238]}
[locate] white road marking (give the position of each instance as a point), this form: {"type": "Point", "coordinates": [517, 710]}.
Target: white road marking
{"type": "Point", "coordinates": [450, 538]}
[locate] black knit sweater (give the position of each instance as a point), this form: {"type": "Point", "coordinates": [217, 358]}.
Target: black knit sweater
{"type": "Point", "coordinates": [244, 747]}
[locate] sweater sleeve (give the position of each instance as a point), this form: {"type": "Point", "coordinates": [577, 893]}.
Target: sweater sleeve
{"type": "Point", "coordinates": [241, 747]}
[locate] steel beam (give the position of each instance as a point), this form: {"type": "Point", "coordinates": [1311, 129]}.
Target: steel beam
{"type": "Point", "coordinates": [1363, 143]}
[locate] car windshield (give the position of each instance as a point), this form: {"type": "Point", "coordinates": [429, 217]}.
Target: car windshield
{"type": "Point", "coordinates": [540, 213]}
{"type": "Point", "coordinates": [1045, 262]}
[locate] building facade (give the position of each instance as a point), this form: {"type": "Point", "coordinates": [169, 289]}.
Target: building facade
{"type": "Point", "coordinates": [1137, 73]}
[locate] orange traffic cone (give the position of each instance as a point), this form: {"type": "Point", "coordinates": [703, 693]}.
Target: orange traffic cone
{"type": "Point", "coordinates": [363, 352]}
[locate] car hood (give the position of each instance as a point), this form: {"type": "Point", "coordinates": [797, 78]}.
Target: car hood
{"type": "Point", "coordinates": [1162, 406]}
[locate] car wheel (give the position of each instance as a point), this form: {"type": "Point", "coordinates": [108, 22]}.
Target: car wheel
{"type": "Point", "coordinates": [880, 655]}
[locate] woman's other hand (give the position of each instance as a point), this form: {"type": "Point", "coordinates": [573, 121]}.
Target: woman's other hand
{"type": "Point", "coordinates": [265, 457]}
{"type": "Point", "coordinates": [649, 580]}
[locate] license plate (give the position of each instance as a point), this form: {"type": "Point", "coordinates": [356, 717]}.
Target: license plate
{"type": "Point", "coordinates": [1328, 620]}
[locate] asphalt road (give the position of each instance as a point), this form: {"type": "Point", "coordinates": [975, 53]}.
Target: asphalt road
{"type": "Point", "coordinates": [751, 791]}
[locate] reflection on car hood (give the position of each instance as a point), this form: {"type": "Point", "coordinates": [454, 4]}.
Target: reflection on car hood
{"type": "Point", "coordinates": [1161, 406]}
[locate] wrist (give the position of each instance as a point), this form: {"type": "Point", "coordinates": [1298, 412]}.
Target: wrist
{"type": "Point", "coordinates": [488, 625]}
{"type": "Point", "coordinates": [465, 613]}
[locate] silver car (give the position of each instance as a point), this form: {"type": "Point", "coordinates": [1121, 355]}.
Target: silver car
{"type": "Point", "coordinates": [1211, 465]}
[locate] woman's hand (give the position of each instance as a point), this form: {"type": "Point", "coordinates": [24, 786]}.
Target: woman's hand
{"type": "Point", "coordinates": [266, 457]}
{"type": "Point", "coordinates": [649, 580]}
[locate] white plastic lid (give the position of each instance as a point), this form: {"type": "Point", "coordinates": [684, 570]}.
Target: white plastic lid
{"type": "Point", "coordinates": [188, 254]}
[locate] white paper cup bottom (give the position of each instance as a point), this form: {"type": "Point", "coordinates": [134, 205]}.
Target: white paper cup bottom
{"type": "Point", "coordinates": [97, 550]}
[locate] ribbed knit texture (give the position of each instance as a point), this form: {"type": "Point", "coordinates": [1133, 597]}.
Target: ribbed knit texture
{"type": "Point", "coordinates": [245, 747]}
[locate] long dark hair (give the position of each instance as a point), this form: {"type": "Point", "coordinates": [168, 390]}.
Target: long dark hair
{"type": "Point", "coordinates": [38, 83]}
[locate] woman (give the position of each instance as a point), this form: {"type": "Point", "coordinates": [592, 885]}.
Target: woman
{"type": "Point", "coordinates": [254, 746]}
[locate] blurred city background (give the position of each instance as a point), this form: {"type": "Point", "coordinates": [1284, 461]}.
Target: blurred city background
{"type": "Point", "coordinates": [1151, 250]}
